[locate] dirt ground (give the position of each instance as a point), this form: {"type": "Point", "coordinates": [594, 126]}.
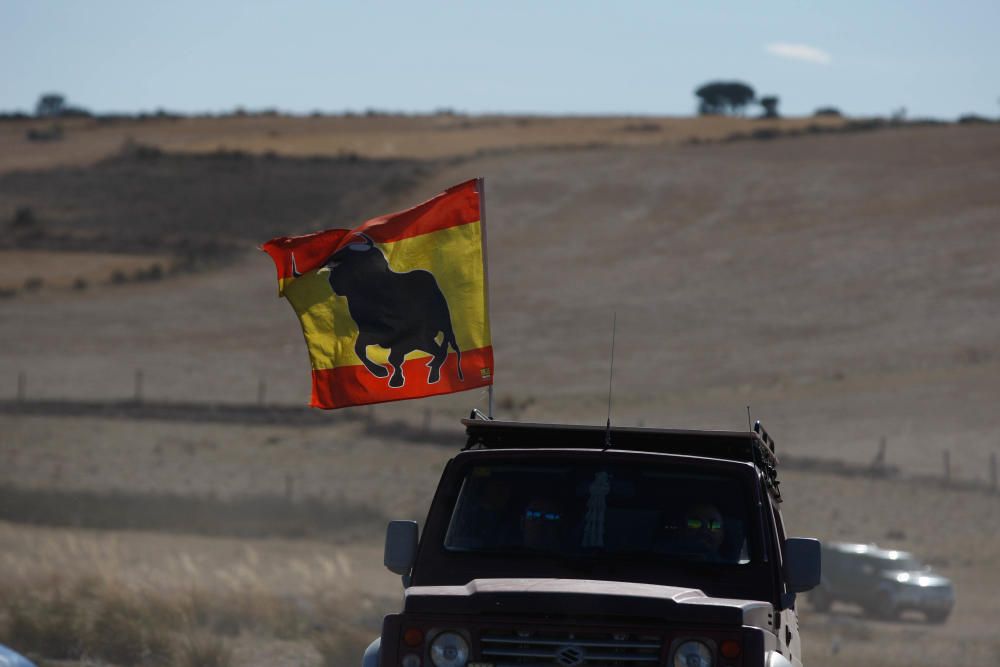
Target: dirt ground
{"type": "Point", "coordinates": [844, 286]}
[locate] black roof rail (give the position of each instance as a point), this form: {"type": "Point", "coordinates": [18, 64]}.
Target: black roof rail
{"type": "Point", "coordinates": [770, 466]}
{"type": "Point", "coordinates": [754, 446]}
{"type": "Point", "coordinates": [759, 429]}
{"type": "Point", "coordinates": [495, 434]}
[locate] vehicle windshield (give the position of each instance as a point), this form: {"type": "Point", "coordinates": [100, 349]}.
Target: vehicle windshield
{"type": "Point", "coordinates": [601, 509]}
{"type": "Point", "coordinates": [904, 562]}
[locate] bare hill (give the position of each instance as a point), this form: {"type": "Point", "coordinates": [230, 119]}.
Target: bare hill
{"type": "Point", "coordinates": [843, 285]}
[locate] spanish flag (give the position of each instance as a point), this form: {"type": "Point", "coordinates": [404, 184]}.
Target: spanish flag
{"type": "Point", "coordinates": [395, 308]}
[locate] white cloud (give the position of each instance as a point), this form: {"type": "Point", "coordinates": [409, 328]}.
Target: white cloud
{"type": "Point", "coordinates": [803, 52]}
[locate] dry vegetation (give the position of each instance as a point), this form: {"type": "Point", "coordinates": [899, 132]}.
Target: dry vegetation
{"type": "Point", "coordinates": [257, 543]}
{"type": "Point", "coordinates": [842, 284]}
{"type": "Point", "coordinates": [85, 619]}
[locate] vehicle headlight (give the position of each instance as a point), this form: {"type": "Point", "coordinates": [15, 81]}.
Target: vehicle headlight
{"type": "Point", "coordinates": [692, 654]}
{"type": "Point", "coordinates": [449, 649]}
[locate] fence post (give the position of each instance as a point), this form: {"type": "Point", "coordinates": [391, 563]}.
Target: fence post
{"type": "Point", "coordinates": [878, 463]}
{"type": "Point", "coordinates": [22, 386]}
{"type": "Point", "coordinates": [946, 458]}
{"type": "Point", "coordinates": [993, 472]}
{"type": "Point", "coordinates": [138, 385]}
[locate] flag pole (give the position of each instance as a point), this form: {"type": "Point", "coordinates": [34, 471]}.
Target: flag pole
{"type": "Point", "coordinates": [481, 189]}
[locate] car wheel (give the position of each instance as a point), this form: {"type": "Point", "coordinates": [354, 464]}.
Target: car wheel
{"type": "Point", "coordinates": [820, 599]}
{"type": "Point", "coordinates": [937, 617]}
{"type": "Point", "coordinates": [885, 607]}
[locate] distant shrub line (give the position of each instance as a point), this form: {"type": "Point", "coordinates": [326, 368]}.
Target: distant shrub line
{"type": "Point", "coordinates": [849, 127]}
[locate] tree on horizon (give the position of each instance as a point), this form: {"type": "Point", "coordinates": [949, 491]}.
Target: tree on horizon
{"type": "Point", "coordinates": [770, 106]}
{"type": "Point", "coordinates": [50, 105]}
{"type": "Point", "coordinates": [721, 97]}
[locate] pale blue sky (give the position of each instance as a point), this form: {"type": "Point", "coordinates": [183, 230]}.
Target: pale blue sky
{"type": "Point", "coordinates": [867, 57]}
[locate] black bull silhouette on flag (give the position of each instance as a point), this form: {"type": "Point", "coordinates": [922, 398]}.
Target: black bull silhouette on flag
{"type": "Point", "coordinates": [401, 312]}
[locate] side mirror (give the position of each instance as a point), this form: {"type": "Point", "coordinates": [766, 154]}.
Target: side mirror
{"type": "Point", "coordinates": [802, 564]}
{"type": "Point", "coordinates": [401, 546]}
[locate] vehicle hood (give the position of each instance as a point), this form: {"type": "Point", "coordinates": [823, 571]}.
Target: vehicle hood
{"type": "Point", "coordinates": [917, 578]}
{"type": "Point", "coordinates": [584, 597]}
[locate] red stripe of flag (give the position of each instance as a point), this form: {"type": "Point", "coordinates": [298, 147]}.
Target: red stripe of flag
{"type": "Point", "coordinates": [458, 205]}
{"type": "Point", "coordinates": [355, 385]}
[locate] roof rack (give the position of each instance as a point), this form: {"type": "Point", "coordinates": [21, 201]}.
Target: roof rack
{"type": "Point", "coordinates": [735, 445]}
{"type": "Point", "coordinates": [755, 446]}
{"type": "Point", "coordinates": [758, 428]}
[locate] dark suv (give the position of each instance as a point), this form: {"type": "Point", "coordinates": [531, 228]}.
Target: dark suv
{"type": "Point", "coordinates": [884, 582]}
{"type": "Point", "coordinates": [578, 546]}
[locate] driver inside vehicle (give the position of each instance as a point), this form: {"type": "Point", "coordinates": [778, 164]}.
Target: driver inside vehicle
{"type": "Point", "coordinates": [699, 533]}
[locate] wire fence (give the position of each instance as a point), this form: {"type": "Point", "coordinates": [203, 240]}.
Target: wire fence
{"type": "Point", "coordinates": [419, 430]}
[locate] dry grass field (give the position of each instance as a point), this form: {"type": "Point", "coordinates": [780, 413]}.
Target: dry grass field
{"type": "Point", "coordinates": [843, 285]}
{"type": "Point", "coordinates": [420, 137]}
{"type": "Point", "coordinates": [18, 267]}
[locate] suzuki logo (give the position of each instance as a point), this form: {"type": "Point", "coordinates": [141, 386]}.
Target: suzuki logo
{"type": "Point", "coordinates": [570, 656]}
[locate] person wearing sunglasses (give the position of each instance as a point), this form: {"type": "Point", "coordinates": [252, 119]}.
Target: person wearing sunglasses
{"type": "Point", "coordinates": [542, 525]}
{"type": "Point", "coordinates": [703, 531]}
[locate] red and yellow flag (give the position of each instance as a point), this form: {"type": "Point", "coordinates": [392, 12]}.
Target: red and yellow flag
{"type": "Point", "coordinates": [395, 308]}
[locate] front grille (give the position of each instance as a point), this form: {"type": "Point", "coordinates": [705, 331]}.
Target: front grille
{"type": "Point", "coordinates": [523, 648]}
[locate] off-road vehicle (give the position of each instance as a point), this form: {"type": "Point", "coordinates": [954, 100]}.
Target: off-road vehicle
{"type": "Point", "coordinates": [578, 546]}
{"type": "Point", "coordinates": [883, 582]}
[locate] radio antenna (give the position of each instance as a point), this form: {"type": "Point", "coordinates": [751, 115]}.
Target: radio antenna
{"type": "Point", "coordinates": [611, 375]}
{"type": "Point", "coordinates": [749, 422]}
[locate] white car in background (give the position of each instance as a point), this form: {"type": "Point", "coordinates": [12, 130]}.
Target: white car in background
{"type": "Point", "coordinates": [884, 582]}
